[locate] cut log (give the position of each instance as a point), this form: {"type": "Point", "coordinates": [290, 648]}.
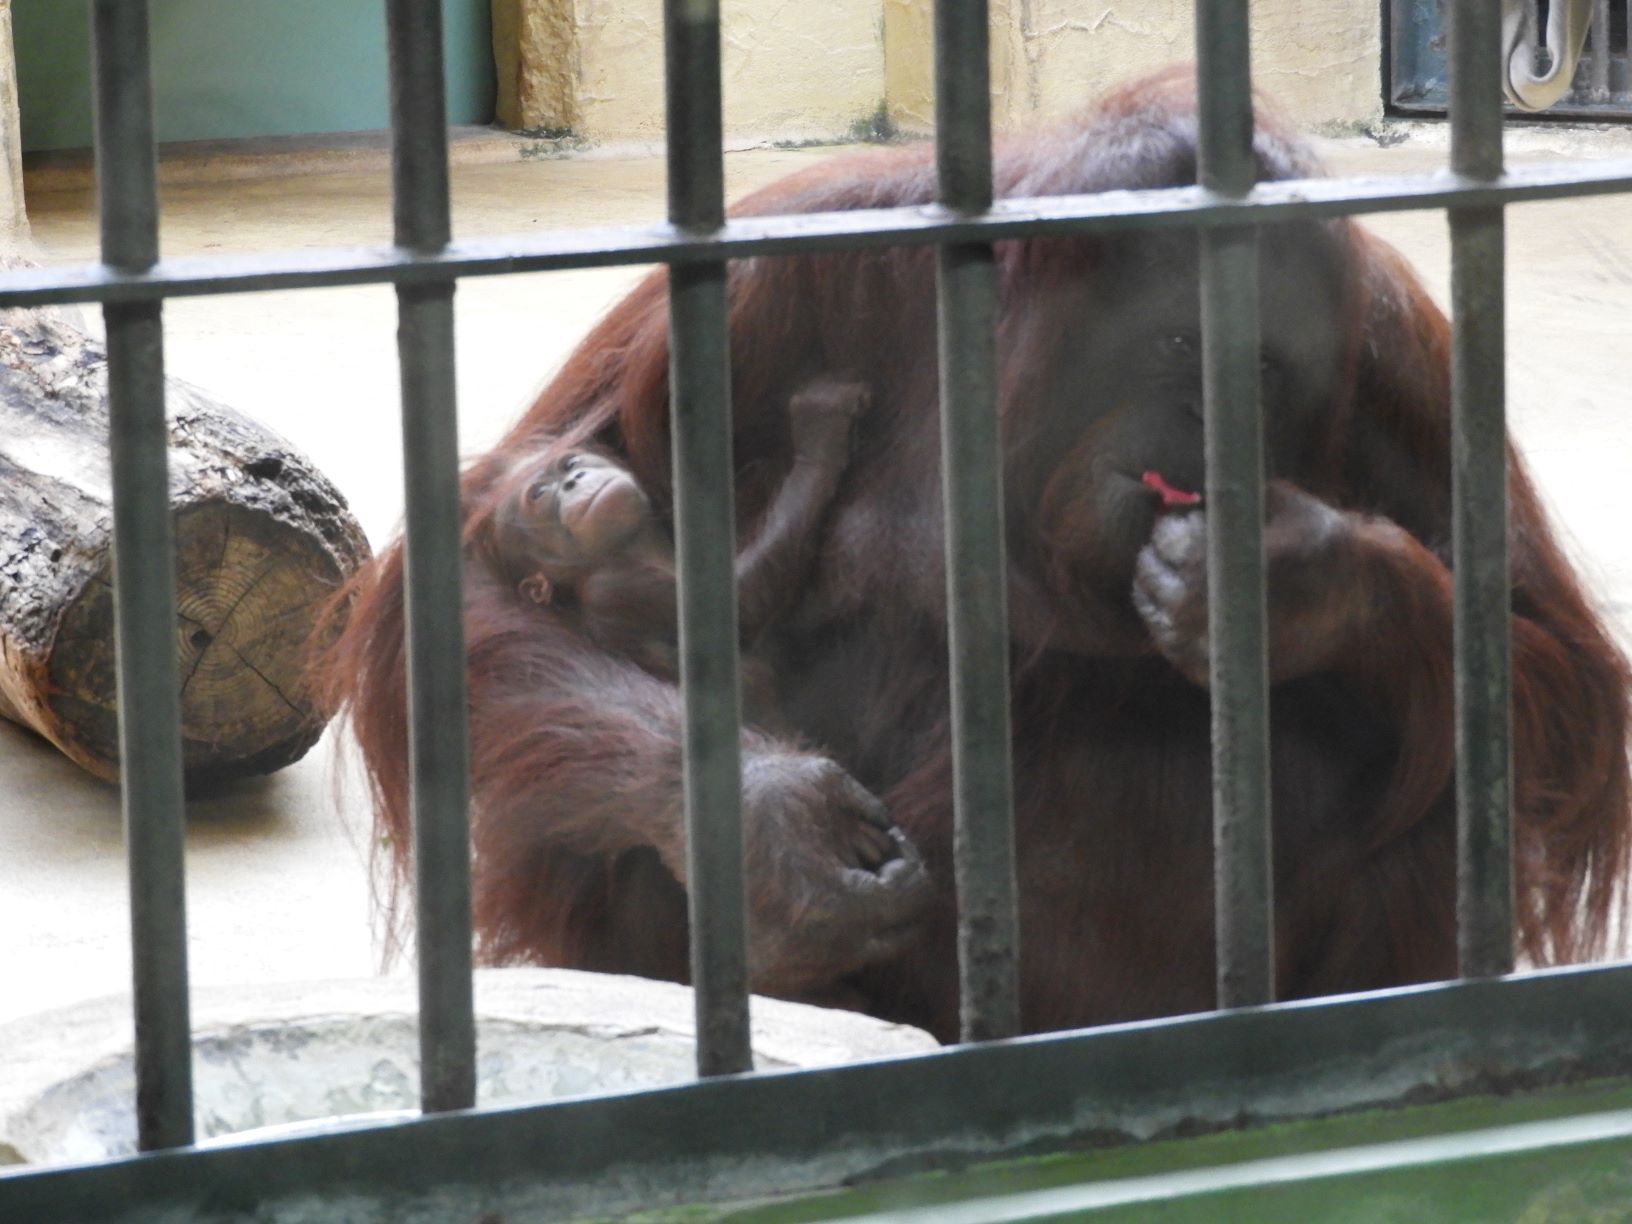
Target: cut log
{"type": "Point", "coordinates": [262, 539]}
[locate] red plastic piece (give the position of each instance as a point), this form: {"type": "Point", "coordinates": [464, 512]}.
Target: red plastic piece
{"type": "Point", "coordinates": [1170, 496]}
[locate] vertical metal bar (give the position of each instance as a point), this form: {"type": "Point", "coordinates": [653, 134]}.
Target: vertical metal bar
{"type": "Point", "coordinates": [1600, 50]}
{"type": "Point", "coordinates": [1479, 507]}
{"type": "Point", "coordinates": [144, 582]}
{"type": "Point", "coordinates": [1244, 900]}
{"type": "Point", "coordinates": [705, 544]}
{"type": "Point", "coordinates": [976, 590]}
{"type": "Point", "coordinates": [438, 747]}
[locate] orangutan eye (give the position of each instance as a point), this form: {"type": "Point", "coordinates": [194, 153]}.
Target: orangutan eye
{"type": "Point", "coordinates": [1179, 344]}
{"type": "Point", "coordinates": [570, 462]}
{"type": "Point", "coordinates": [537, 490]}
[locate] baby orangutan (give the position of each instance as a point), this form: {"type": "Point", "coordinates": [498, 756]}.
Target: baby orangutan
{"type": "Point", "coordinates": [573, 530]}
{"type": "Point", "coordinates": [577, 532]}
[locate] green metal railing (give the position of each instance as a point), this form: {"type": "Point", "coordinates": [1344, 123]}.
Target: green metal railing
{"type": "Point", "coordinates": [733, 1135]}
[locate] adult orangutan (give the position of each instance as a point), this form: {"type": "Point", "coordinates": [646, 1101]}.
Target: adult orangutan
{"type": "Point", "coordinates": [577, 765]}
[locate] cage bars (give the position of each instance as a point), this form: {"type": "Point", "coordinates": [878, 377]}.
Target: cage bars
{"type": "Point", "coordinates": [1244, 895]}
{"type": "Point", "coordinates": [144, 581]}
{"type": "Point", "coordinates": [976, 569]}
{"type": "Point", "coordinates": [1172, 208]}
{"type": "Point", "coordinates": [745, 1136]}
{"type": "Point", "coordinates": [1601, 50]}
{"type": "Point", "coordinates": [1479, 508]}
{"type": "Point", "coordinates": [432, 563]}
{"type": "Point", "coordinates": [696, 241]}
{"type": "Point", "coordinates": [705, 543]}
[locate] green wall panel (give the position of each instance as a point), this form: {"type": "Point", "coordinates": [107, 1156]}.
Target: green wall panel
{"type": "Point", "coordinates": [230, 68]}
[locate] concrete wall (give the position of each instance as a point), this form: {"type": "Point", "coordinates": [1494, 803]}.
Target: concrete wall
{"type": "Point", "coordinates": [1319, 59]}
{"type": "Point", "coordinates": [13, 220]}
{"type": "Point", "coordinates": [791, 71]}
{"type": "Point", "coordinates": [223, 71]}
{"type": "Point", "coordinates": [798, 71]}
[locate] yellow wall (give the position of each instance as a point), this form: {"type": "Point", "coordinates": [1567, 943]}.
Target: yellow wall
{"type": "Point", "coordinates": [791, 70]}
{"type": "Point", "coordinates": [798, 71]}
{"type": "Point", "coordinates": [1318, 58]}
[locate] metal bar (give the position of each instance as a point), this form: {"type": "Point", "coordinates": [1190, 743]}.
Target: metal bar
{"type": "Point", "coordinates": [976, 586]}
{"type": "Point", "coordinates": [705, 544]}
{"type": "Point", "coordinates": [144, 582]}
{"type": "Point", "coordinates": [438, 740]}
{"type": "Point", "coordinates": [1600, 50]}
{"type": "Point", "coordinates": [1244, 900]}
{"type": "Point", "coordinates": [1479, 508]}
{"type": "Point", "coordinates": [744, 237]}
{"type": "Point", "coordinates": [789, 1131]}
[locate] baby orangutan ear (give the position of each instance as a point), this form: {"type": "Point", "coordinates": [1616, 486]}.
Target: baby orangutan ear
{"type": "Point", "coordinates": [537, 588]}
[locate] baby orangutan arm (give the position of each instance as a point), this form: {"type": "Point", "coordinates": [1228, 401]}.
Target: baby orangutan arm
{"type": "Point", "coordinates": [771, 569]}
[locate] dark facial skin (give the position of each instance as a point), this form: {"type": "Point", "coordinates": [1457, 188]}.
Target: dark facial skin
{"type": "Point", "coordinates": [569, 514]}
{"type": "Point", "coordinates": [1138, 375]}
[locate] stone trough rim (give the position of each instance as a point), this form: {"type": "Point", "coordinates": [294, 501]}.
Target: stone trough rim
{"type": "Point", "coordinates": [51, 1049]}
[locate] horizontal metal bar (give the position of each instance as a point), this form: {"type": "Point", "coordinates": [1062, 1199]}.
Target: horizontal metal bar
{"type": "Point", "coordinates": [737, 1136]}
{"type": "Point", "coordinates": [1172, 208]}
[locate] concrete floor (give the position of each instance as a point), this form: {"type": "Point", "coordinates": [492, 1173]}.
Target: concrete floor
{"type": "Point", "coordinates": [278, 886]}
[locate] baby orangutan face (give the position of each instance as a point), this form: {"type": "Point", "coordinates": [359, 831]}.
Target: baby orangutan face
{"type": "Point", "coordinates": [567, 516]}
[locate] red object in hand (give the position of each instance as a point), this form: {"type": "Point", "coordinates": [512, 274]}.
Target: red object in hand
{"type": "Point", "coordinates": [1170, 496]}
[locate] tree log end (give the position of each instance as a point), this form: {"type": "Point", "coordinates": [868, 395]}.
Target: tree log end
{"type": "Point", "coordinates": [249, 587]}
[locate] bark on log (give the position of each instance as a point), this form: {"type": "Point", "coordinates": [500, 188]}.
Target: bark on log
{"type": "Point", "coordinates": [261, 540]}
